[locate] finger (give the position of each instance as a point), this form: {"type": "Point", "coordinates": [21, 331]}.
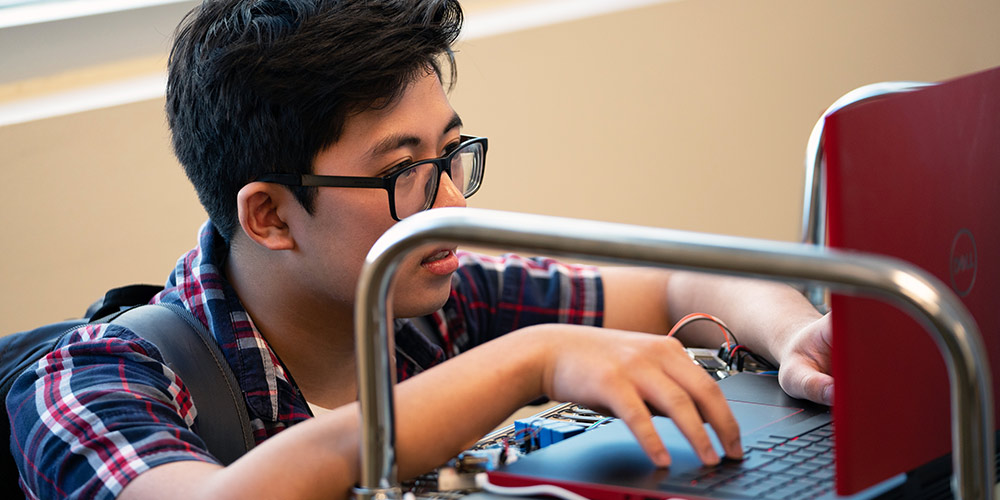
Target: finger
{"type": "Point", "coordinates": [801, 381]}
{"type": "Point", "coordinates": [670, 398]}
{"type": "Point", "coordinates": [629, 407]}
{"type": "Point", "coordinates": [825, 325]}
{"type": "Point", "coordinates": [707, 396]}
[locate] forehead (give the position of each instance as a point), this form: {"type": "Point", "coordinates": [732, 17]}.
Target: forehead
{"type": "Point", "coordinates": [415, 125]}
{"type": "Point", "coordinates": [422, 111]}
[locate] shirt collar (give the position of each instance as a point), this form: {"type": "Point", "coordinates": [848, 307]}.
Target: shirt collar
{"type": "Point", "coordinates": [199, 284]}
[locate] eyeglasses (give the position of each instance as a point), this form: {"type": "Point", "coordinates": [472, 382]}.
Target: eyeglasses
{"type": "Point", "coordinates": [414, 188]}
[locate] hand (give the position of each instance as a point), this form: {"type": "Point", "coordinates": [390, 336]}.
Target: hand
{"type": "Point", "coordinates": [623, 372]}
{"type": "Point", "coordinates": [805, 363]}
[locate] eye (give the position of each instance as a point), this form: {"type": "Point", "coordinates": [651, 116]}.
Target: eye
{"type": "Point", "coordinates": [408, 173]}
{"type": "Point", "coordinates": [450, 148]}
{"type": "Point", "coordinates": [396, 168]}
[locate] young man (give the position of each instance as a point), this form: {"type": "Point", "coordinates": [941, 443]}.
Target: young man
{"type": "Point", "coordinates": [265, 95]}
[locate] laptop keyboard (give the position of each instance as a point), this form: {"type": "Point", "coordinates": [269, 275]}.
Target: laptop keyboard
{"type": "Point", "coordinates": [778, 467]}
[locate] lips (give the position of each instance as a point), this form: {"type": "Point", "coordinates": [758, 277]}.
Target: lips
{"type": "Point", "coordinates": [442, 261]}
{"type": "Point", "coordinates": [441, 254]}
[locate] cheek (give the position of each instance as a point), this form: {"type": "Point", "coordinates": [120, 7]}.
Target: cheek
{"type": "Point", "coordinates": [342, 231]}
{"type": "Point", "coordinates": [354, 218]}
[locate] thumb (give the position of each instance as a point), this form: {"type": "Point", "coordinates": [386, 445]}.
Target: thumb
{"type": "Point", "coordinates": [800, 382]}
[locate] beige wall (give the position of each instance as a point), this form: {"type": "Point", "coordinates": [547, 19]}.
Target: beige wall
{"type": "Point", "coordinates": [690, 114]}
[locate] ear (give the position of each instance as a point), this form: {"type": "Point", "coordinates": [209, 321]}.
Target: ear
{"type": "Point", "coordinates": [259, 209]}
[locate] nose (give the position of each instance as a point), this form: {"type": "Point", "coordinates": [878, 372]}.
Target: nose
{"type": "Point", "coordinates": [448, 194]}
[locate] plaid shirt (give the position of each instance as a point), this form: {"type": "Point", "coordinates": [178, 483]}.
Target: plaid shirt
{"type": "Point", "coordinates": [102, 408]}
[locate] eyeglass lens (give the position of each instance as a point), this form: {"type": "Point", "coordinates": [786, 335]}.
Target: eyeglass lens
{"type": "Point", "coordinates": [416, 188]}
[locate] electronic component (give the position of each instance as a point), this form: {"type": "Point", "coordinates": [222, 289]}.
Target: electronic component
{"type": "Point", "coordinates": [541, 432]}
{"type": "Point", "coordinates": [741, 359]}
{"type": "Point", "coordinates": [709, 360]}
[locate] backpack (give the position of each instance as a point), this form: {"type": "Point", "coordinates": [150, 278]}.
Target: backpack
{"type": "Point", "coordinates": [187, 347]}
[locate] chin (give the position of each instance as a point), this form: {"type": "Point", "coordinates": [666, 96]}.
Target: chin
{"type": "Point", "coordinates": [414, 304]}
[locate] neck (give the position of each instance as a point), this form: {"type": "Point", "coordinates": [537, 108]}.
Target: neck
{"type": "Point", "coordinates": [313, 337]}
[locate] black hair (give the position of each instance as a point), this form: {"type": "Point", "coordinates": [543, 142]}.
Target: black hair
{"type": "Point", "coordinates": [262, 86]}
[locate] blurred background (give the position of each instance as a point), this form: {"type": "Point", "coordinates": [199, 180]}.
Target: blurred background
{"type": "Point", "coordinates": [685, 114]}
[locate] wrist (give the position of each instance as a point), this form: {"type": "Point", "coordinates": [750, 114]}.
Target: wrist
{"type": "Point", "coordinates": [532, 350]}
{"type": "Point", "coordinates": [782, 343]}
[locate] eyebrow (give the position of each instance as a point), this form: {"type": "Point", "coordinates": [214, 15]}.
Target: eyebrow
{"type": "Point", "coordinates": [397, 141]}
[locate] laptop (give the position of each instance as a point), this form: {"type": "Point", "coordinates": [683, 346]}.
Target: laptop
{"type": "Point", "coordinates": [915, 176]}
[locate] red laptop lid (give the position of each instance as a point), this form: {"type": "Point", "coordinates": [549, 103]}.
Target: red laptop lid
{"type": "Point", "coordinates": [914, 176]}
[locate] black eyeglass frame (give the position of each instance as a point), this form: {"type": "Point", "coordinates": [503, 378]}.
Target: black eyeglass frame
{"type": "Point", "coordinates": [388, 182]}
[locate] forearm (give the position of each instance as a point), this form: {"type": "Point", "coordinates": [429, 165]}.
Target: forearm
{"type": "Point", "coordinates": [450, 406]}
{"type": "Point", "coordinates": [439, 413]}
{"type": "Point", "coordinates": [762, 314]}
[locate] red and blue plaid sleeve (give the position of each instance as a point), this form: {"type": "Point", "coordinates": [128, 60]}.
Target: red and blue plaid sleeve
{"type": "Point", "coordinates": [95, 413]}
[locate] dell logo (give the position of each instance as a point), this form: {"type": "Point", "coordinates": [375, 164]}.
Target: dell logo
{"type": "Point", "coordinates": [963, 262]}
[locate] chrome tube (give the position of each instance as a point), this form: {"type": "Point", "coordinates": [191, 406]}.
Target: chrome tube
{"type": "Point", "coordinates": [915, 291]}
{"type": "Point", "coordinates": [814, 198]}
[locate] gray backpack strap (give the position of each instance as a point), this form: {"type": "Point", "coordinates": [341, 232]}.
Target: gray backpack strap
{"type": "Point", "coordinates": [191, 352]}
